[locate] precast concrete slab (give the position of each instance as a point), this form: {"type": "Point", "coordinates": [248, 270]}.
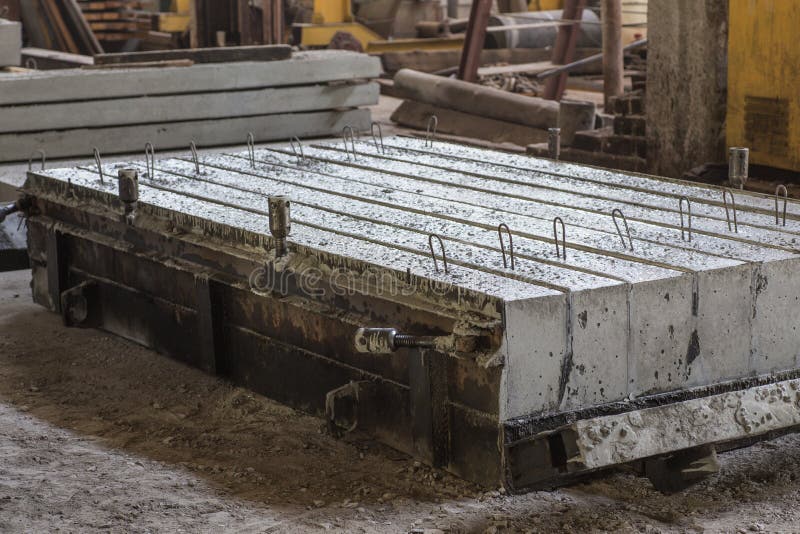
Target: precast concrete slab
{"type": "Point", "coordinates": [455, 303]}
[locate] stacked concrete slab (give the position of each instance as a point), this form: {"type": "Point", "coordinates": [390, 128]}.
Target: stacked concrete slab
{"type": "Point", "coordinates": [657, 286]}
{"type": "Point", "coordinates": [68, 112]}
{"type": "Point", "coordinates": [10, 43]}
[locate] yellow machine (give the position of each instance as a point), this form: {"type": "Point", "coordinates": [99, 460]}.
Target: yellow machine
{"type": "Point", "coordinates": [332, 17]}
{"type": "Point", "coordinates": [763, 81]}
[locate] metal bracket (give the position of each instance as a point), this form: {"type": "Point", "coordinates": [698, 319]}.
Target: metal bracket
{"type": "Point", "coordinates": [79, 306]}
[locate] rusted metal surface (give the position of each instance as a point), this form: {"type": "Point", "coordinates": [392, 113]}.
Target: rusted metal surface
{"type": "Point", "coordinates": [479, 310]}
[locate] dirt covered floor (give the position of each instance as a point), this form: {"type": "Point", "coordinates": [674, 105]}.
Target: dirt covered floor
{"type": "Point", "coordinates": [99, 434]}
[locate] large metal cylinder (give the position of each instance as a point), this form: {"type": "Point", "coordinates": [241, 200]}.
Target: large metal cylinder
{"type": "Point", "coordinates": [591, 35]}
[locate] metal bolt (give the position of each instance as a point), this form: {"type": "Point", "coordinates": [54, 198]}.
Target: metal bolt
{"type": "Point", "coordinates": [737, 166]}
{"type": "Point", "coordinates": [387, 340]}
{"type": "Point", "coordinates": [280, 222]}
{"type": "Point", "coordinates": [554, 142]}
{"type": "Point", "coordinates": [128, 189]}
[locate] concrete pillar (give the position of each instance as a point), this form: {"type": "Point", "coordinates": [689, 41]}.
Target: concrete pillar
{"type": "Point", "coordinates": [686, 84]}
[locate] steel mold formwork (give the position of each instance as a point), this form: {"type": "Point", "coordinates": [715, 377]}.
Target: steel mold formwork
{"type": "Point", "coordinates": [562, 316]}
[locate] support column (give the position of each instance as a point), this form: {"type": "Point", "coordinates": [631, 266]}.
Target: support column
{"type": "Point", "coordinates": [686, 84]}
{"type": "Point", "coordinates": [612, 49]}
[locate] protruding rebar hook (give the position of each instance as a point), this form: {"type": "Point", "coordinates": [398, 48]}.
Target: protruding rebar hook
{"type": "Point", "coordinates": [433, 254]}
{"type": "Point", "coordinates": [379, 147]}
{"type": "Point", "coordinates": [297, 150]}
{"type": "Point", "coordinates": [689, 213]}
{"type": "Point", "coordinates": [251, 149]}
{"type": "Point", "coordinates": [352, 148]}
{"type": "Point", "coordinates": [725, 194]}
{"type": "Point", "coordinates": [778, 190]}
{"type": "Point", "coordinates": [563, 249]}
{"type": "Point", "coordinates": [150, 159]}
{"type": "Point", "coordinates": [430, 134]}
{"type": "Point", "coordinates": [41, 152]}
{"type": "Point", "coordinates": [614, 213]}
{"type": "Point", "coordinates": [195, 159]}
{"type": "Point", "coordinates": [500, 228]}
{"type": "Point", "coordinates": [99, 163]}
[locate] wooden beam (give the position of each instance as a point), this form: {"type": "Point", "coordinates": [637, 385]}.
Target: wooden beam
{"type": "Point", "coordinates": [475, 37]}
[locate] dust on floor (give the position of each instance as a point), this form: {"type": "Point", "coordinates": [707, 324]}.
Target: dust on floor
{"type": "Point", "coordinates": [99, 434]}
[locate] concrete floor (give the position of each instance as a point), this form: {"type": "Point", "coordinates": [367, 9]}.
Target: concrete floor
{"type": "Point", "coordinates": [98, 434]}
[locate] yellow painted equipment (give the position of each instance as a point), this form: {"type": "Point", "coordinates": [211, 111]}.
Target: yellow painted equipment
{"type": "Point", "coordinates": [763, 81]}
{"type": "Point", "coordinates": [333, 16]}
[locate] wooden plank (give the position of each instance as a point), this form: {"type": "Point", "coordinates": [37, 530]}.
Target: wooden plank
{"type": "Point", "coordinates": [174, 108]}
{"type": "Point", "coordinates": [113, 26]}
{"type": "Point", "coordinates": [203, 55]}
{"type": "Point", "coordinates": [178, 135]}
{"type": "Point", "coordinates": [63, 33]}
{"type": "Point", "coordinates": [76, 84]}
{"type": "Point", "coordinates": [89, 43]}
{"type": "Point", "coordinates": [101, 6]}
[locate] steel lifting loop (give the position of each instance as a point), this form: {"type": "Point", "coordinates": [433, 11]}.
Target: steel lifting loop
{"type": "Point", "coordinates": [430, 134]}
{"type": "Point", "coordinates": [378, 147]}
{"type": "Point", "coordinates": [689, 213]}
{"type": "Point", "coordinates": [42, 154]}
{"type": "Point", "coordinates": [500, 228]}
{"type": "Point", "coordinates": [31, 63]}
{"type": "Point", "coordinates": [725, 194]}
{"type": "Point", "coordinates": [99, 163]}
{"type": "Point", "coordinates": [614, 213]}
{"type": "Point", "coordinates": [433, 254]}
{"type": "Point", "coordinates": [778, 190]}
{"type": "Point", "coordinates": [352, 148]}
{"type": "Point", "coordinates": [563, 248]}
{"type": "Point", "coordinates": [251, 149]}
{"type": "Point", "coordinates": [297, 150]}
{"type": "Point", "coordinates": [195, 159]}
{"type": "Point", "coordinates": [150, 159]}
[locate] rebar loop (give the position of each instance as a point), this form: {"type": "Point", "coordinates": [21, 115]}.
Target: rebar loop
{"type": "Point", "coordinates": [563, 250]}
{"type": "Point", "coordinates": [378, 147]}
{"type": "Point", "coordinates": [785, 202]}
{"type": "Point", "coordinates": [614, 213]}
{"type": "Point", "coordinates": [433, 254]}
{"type": "Point", "coordinates": [689, 213]}
{"type": "Point", "coordinates": [99, 163]}
{"type": "Point", "coordinates": [500, 228]}
{"type": "Point", "coordinates": [725, 194]}
{"type": "Point", "coordinates": [150, 159]}
{"type": "Point", "coordinates": [430, 133]}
